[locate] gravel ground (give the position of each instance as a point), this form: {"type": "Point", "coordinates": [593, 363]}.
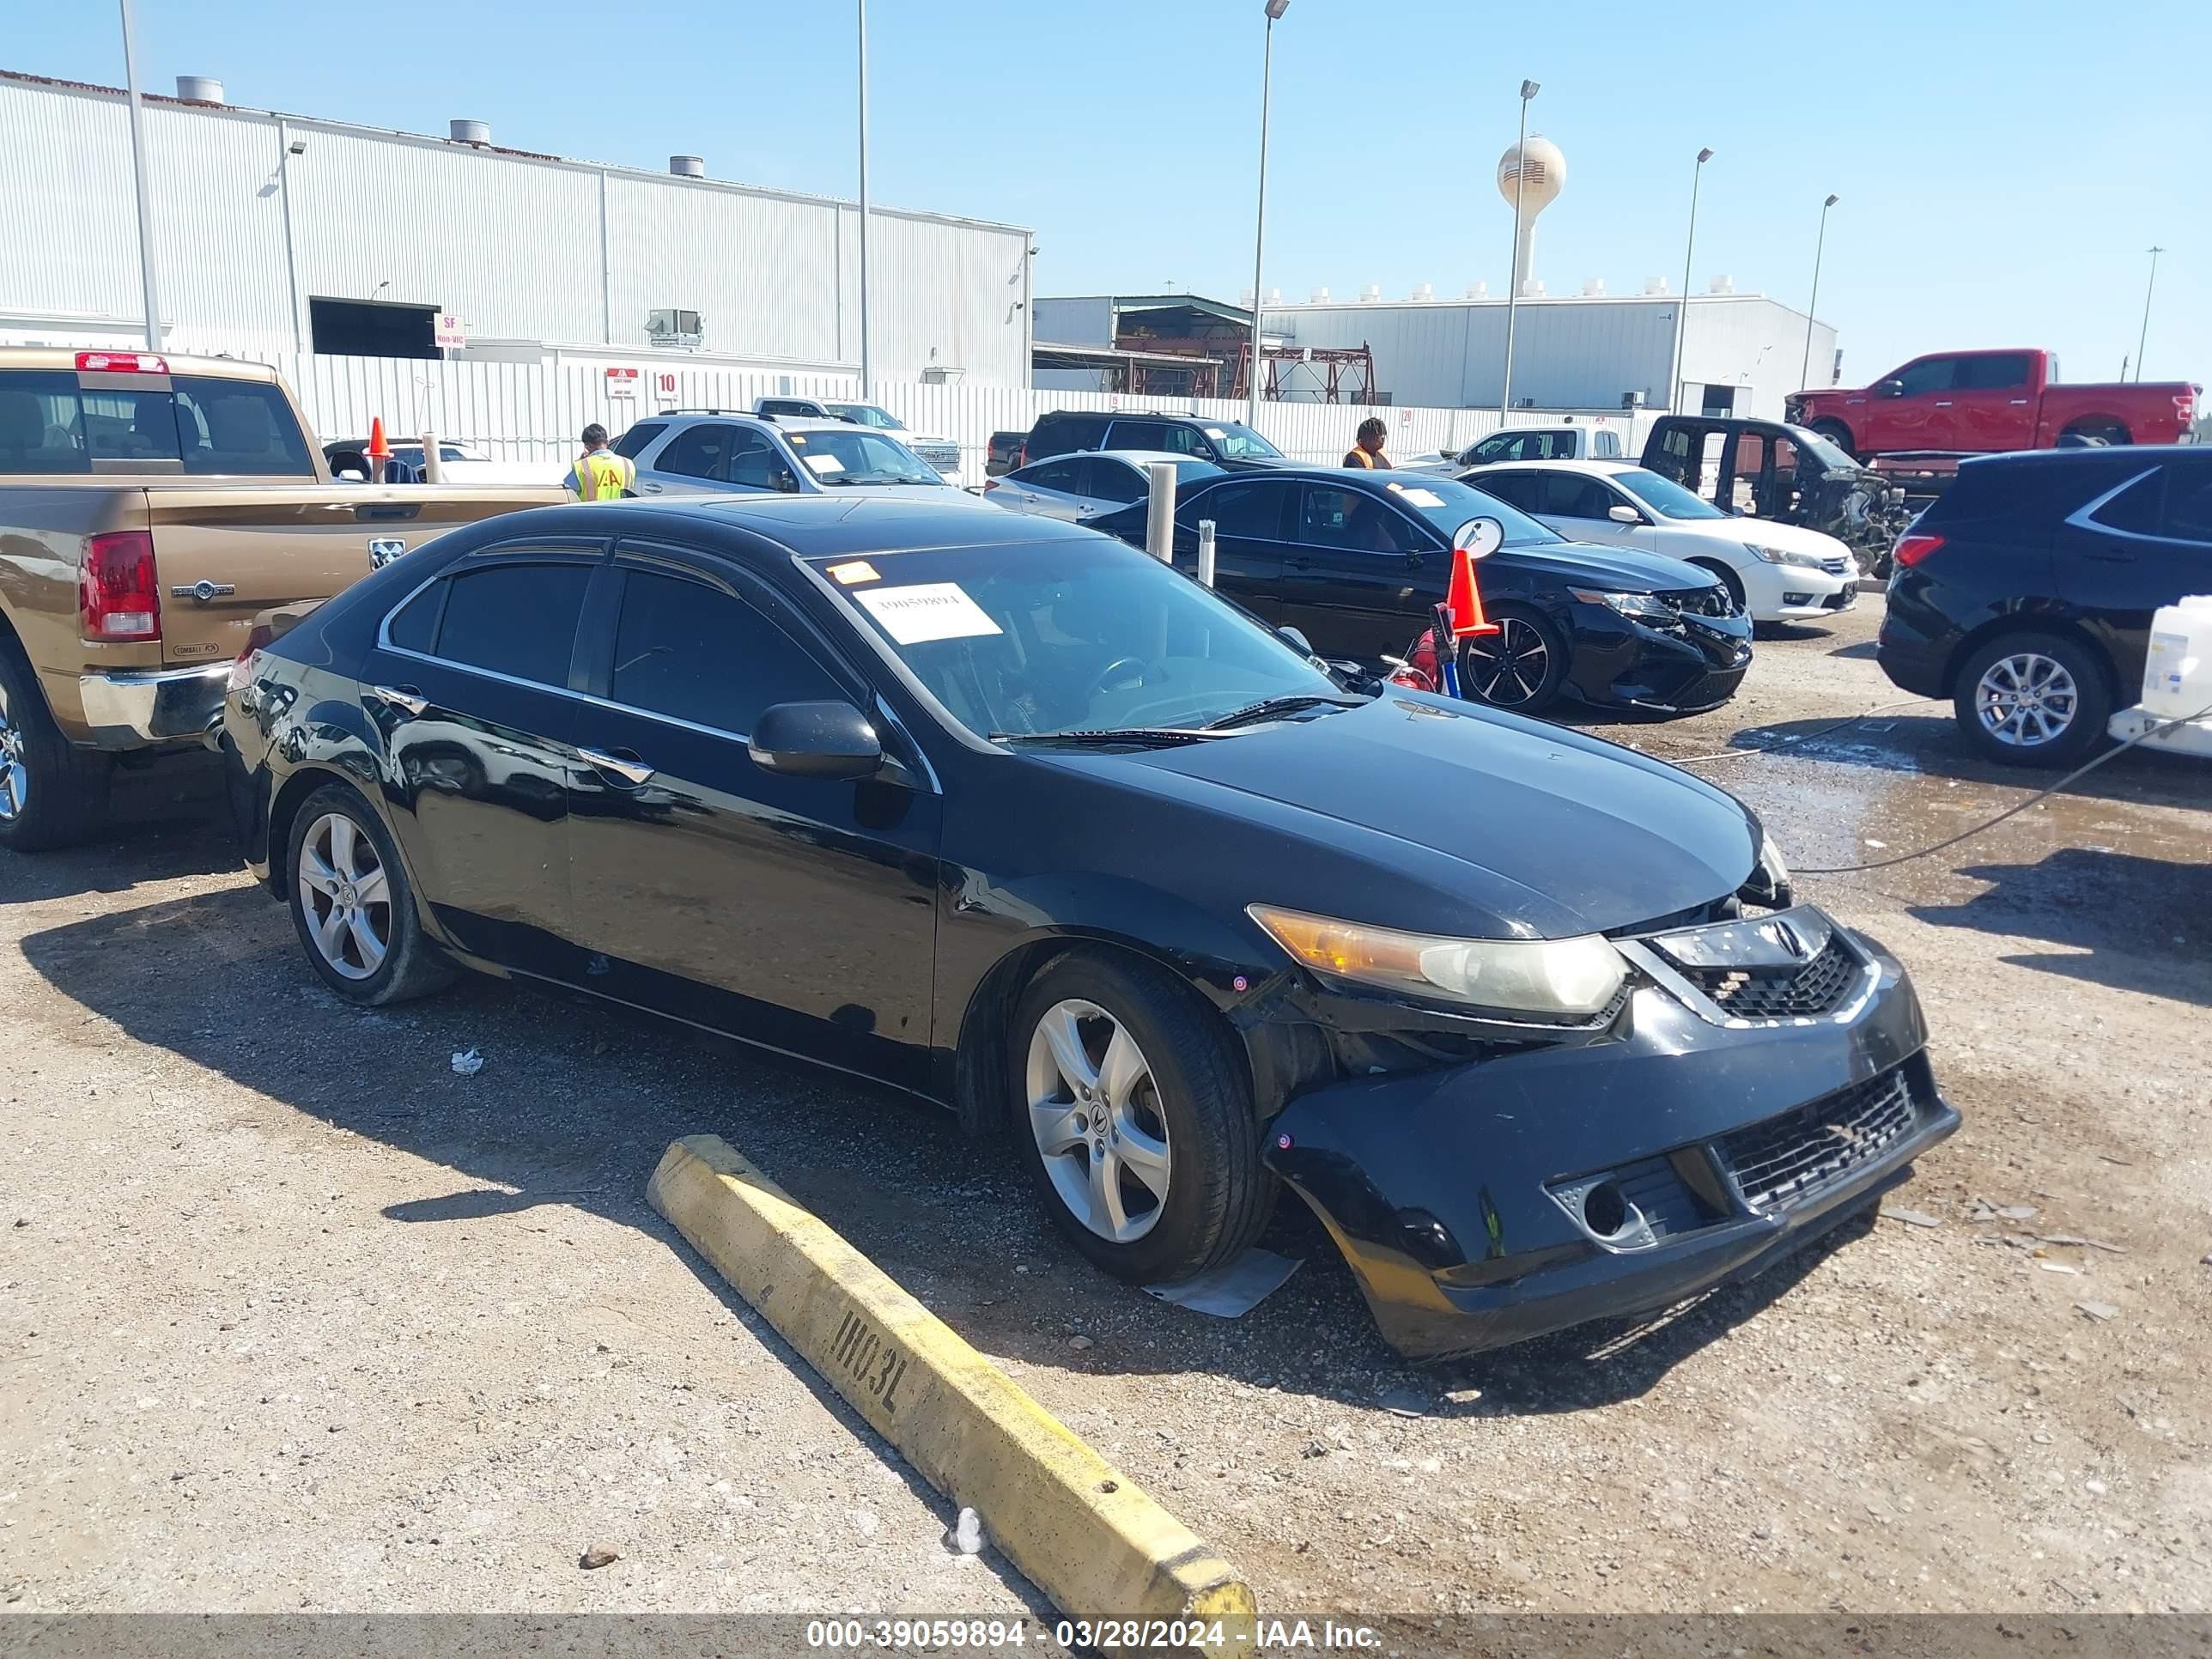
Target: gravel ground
{"type": "Point", "coordinates": [293, 1317]}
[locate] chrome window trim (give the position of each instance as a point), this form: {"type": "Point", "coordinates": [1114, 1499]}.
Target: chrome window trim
{"type": "Point", "coordinates": [2085, 517]}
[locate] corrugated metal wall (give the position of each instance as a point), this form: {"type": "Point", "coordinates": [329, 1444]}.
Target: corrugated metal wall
{"type": "Point", "coordinates": [529, 415]}
{"type": "Point", "coordinates": [513, 245]}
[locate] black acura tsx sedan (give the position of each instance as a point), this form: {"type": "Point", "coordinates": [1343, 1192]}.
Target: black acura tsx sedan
{"type": "Point", "coordinates": [1002, 813]}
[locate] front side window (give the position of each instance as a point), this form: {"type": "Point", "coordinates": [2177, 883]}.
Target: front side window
{"type": "Point", "coordinates": [1929, 374]}
{"type": "Point", "coordinates": [1351, 520]}
{"type": "Point", "coordinates": [694, 652]}
{"type": "Point", "coordinates": [1235, 441]}
{"type": "Point", "coordinates": [867, 414]}
{"type": "Point", "coordinates": [1662, 495]}
{"type": "Point", "coordinates": [516, 619]}
{"type": "Point", "coordinates": [753, 463]}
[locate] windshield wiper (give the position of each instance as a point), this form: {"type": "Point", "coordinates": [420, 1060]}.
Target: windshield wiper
{"type": "Point", "coordinates": [1109, 735]}
{"type": "Point", "coordinates": [1268, 707]}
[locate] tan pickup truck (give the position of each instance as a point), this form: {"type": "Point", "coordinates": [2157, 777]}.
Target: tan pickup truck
{"type": "Point", "coordinates": [149, 508]}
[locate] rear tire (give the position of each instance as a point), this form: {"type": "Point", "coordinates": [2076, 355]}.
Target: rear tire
{"type": "Point", "coordinates": [1837, 434]}
{"type": "Point", "coordinates": [2032, 698]}
{"type": "Point", "coordinates": [1520, 668]}
{"type": "Point", "coordinates": [51, 793]}
{"type": "Point", "coordinates": [1158, 1099]}
{"type": "Point", "coordinates": [2094, 434]}
{"type": "Point", "coordinates": [353, 906]}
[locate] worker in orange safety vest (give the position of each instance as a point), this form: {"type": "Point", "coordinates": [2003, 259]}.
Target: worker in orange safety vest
{"type": "Point", "coordinates": [1367, 452]}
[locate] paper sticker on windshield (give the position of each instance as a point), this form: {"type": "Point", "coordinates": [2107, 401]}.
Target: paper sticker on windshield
{"type": "Point", "coordinates": [1216, 434]}
{"type": "Point", "coordinates": [1414, 496]}
{"type": "Point", "coordinates": [927, 611]}
{"type": "Point", "coordinates": [860, 570]}
{"type": "Point", "coordinates": [823, 462]}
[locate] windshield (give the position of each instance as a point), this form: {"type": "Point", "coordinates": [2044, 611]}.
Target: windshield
{"type": "Point", "coordinates": [1238, 442]}
{"type": "Point", "coordinates": [858, 456]}
{"type": "Point", "coordinates": [1663, 495]}
{"type": "Point", "coordinates": [1447, 504]}
{"type": "Point", "coordinates": [865, 415]}
{"type": "Point", "coordinates": [1822, 450]}
{"type": "Point", "coordinates": [1083, 635]}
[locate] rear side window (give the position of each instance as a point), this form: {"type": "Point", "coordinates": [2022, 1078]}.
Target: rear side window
{"type": "Point", "coordinates": [1138, 434]}
{"type": "Point", "coordinates": [698, 452]}
{"type": "Point", "coordinates": [2188, 515]}
{"type": "Point", "coordinates": [1056, 435]}
{"type": "Point", "coordinates": [1118, 481]}
{"type": "Point", "coordinates": [2135, 509]}
{"type": "Point", "coordinates": [1567, 495]}
{"type": "Point", "coordinates": [695, 653]}
{"type": "Point", "coordinates": [1519, 489]}
{"type": "Point", "coordinates": [633, 442]}
{"type": "Point", "coordinates": [209, 425]}
{"type": "Point", "coordinates": [1999, 372]}
{"type": "Point", "coordinates": [1254, 510]}
{"type": "Point", "coordinates": [1051, 474]}
{"type": "Point", "coordinates": [515, 619]}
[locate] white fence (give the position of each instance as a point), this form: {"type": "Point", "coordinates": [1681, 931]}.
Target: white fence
{"type": "Point", "coordinates": [528, 414]}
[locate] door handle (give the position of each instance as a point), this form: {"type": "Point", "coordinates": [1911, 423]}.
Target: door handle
{"type": "Point", "coordinates": [1942, 402]}
{"type": "Point", "coordinates": [1300, 563]}
{"type": "Point", "coordinates": [650, 488]}
{"type": "Point", "coordinates": [2020, 402]}
{"type": "Point", "coordinates": [401, 696]}
{"type": "Point", "coordinates": [624, 764]}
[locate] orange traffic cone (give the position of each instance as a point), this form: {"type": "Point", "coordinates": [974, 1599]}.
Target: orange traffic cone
{"type": "Point", "coordinates": [378, 448]}
{"type": "Point", "coordinates": [1464, 599]}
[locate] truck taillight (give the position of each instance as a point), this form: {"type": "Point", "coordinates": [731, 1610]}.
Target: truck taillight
{"type": "Point", "coordinates": [119, 593]}
{"type": "Point", "coordinates": [121, 362]}
{"type": "Point", "coordinates": [1912, 550]}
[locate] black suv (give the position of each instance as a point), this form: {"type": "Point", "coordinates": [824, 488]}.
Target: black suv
{"type": "Point", "coordinates": [1226, 443]}
{"type": "Point", "coordinates": [2024, 593]}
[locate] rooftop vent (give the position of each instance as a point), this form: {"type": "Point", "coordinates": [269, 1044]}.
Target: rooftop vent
{"type": "Point", "coordinates": [1274, 296]}
{"type": "Point", "coordinates": [687, 166]}
{"type": "Point", "coordinates": [199, 89]}
{"type": "Point", "coordinates": [1723, 285]}
{"type": "Point", "coordinates": [1655, 284]}
{"type": "Point", "coordinates": [1318, 297]}
{"type": "Point", "coordinates": [1372, 293]}
{"type": "Point", "coordinates": [1477, 291]}
{"type": "Point", "coordinates": [1594, 289]}
{"type": "Point", "coordinates": [1424, 291]}
{"type": "Point", "coordinates": [469, 133]}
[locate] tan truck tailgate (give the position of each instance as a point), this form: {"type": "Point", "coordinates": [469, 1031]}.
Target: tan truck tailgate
{"type": "Point", "coordinates": [224, 552]}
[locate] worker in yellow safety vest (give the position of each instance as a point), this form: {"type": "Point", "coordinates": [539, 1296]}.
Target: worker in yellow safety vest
{"type": "Point", "coordinates": [599, 474]}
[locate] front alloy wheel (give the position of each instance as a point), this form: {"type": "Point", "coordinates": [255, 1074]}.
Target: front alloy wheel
{"type": "Point", "coordinates": [1514, 668]}
{"type": "Point", "coordinates": [1095, 1110]}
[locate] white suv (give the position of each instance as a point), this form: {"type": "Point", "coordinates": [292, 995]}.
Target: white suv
{"type": "Point", "coordinates": [1777, 572]}
{"type": "Point", "coordinates": [720, 452]}
{"type": "Point", "coordinates": [943, 454]}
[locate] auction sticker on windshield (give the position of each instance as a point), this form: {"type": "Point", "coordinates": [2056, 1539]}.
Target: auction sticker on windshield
{"type": "Point", "coordinates": [927, 611]}
{"type": "Point", "coordinates": [859, 570]}
{"type": "Point", "coordinates": [823, 462]}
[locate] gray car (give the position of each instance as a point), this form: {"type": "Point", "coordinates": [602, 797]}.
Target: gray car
{"type": "Point", "coordinates": [719, 453]}
{"type": "Point", "coordinates": [1079, 487]}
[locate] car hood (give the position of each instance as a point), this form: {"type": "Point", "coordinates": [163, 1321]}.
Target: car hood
{"type": "Point", "coordinates": [1619, 569]}
{"type": "Point", "coordinates": [1465, 820]}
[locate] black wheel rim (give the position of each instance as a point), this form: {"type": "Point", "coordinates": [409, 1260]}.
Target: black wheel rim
{"type": "Point", "coordinates": [1507, 668]}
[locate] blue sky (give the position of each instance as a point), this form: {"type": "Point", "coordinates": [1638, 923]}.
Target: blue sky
{"type": "Point", "coordinates": [2003, 168]}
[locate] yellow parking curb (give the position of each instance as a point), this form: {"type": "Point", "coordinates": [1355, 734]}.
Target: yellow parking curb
{"type": "Point", "coordinates": [1082, 1531]}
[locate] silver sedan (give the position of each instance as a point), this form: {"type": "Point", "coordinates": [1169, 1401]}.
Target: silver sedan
{"type": "Point", "coordinates": [1080, 487]}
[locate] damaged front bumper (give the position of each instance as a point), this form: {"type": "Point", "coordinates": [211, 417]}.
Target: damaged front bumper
{"type": "Point", "coordinates": [1483, 1204]}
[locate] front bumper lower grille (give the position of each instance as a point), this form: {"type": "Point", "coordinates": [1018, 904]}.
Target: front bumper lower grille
{"type": "Point", "coordinates": [1787, 1159]}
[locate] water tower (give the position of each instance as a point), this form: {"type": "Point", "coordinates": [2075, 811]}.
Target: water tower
{"type": "Point", "coordinates": [1538, 172]}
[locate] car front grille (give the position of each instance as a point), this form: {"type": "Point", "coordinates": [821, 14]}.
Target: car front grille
{"type": "Point", "coordinates": [1801, 991]}
{"type": "Point", "coordinates": [1713, 601]}
{"type": "Point", "coordinates": [1787, 1159]}
{"type": "Point", "coordinates": [945, 458]}
{"type": "Point", "coordinates": [1835, 567]}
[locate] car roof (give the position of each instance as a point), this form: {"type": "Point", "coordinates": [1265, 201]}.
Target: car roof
{"type": "Point", "coordinates": [762, 423]}
{"type": "Point", "coordinates": [810, 527]}
{"type": "Point", "coordinates": [1134, 456]}
{"type": "Point", "coordinates": [1606, 468]}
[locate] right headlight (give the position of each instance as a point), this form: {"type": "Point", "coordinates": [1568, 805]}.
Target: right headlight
{"type": "Point", "coordinates": [1562, 978]}
{"type": "Point", "coordinates": [1789, 556]}
{"type": "Point", "coordinates": [1642, 607]}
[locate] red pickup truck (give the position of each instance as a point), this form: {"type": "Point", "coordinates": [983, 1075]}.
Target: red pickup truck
{"type": "Point", "coordinates": [1982, 402]}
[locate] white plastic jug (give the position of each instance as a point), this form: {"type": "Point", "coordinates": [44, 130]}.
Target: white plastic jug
{"type": "Point", "coordinates": [2178, 673]}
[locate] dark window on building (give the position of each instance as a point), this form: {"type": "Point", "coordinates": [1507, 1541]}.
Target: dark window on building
{"type": "Point", "coordinates": [693, 652]}
{"type": "Point", "coordinates": [515, 619]}
{"type": "Point", "coordinates": [356, 328]}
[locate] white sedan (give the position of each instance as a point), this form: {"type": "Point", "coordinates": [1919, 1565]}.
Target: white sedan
{"type": "Point", "coordinates": [1777, 572]}
{"type": "Point", "coordinates": [1090, 482]}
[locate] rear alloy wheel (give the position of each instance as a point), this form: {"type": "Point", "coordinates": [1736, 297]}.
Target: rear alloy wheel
{"type": "Point", "coordinates": [2032, 700]}
{"type": "Point", "coordinates": [353, 906]}
{"type": "Point", "coordinates": [52, 794]}
{"type": "Point", "coordinates": [1518, 668]}
{"type": "Point", "coordinates": [1135, 1119]}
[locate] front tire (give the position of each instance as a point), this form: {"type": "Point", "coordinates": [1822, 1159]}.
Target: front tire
{"type": "Point", "coordinates": [1520, 668]}
{"type": "Point", "coordinates": [1135, 1119]}
{"type": "Point", "coordinates": [352, 904]}
{"type": "Point", "coordinates": [2032, 699]}
{"type": "Point", "coordinates": [52, 794]}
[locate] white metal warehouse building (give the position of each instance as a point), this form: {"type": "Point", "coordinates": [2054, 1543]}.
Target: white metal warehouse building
{"type": "Point", "coordinates": [1742, 353]}
{"type": "Point", "coordinates": [282, 237]}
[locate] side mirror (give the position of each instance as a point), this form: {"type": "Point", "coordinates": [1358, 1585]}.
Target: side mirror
{"type": "Point", "coordinates": [348, 474]}
{"type": "Point", "coordinates": [784, 479]}
{"type": "Point", "coordinates": [815, 740]}
{"type": "Point", "coordinates": [1889, 388]}
{"type": "Point", "coordinates": [1298, 641]}
{"type": "Point", "coordinates": [1622, 512]}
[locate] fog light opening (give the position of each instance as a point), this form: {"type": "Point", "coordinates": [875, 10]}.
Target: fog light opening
{"type": "Point", "coordinates": [1606, 1210]}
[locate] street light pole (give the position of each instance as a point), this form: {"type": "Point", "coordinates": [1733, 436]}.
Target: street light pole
{"type": "Point", "coordinates": [1528, 90]}
{"type": "Point", "coordinates": [138, 174]}
{"type": "Point", "coordinates": [1275, 8]}
{"type": "Point", "coordinates": [1805, 367]}
{"type": "Point", "coordinates": [2143, 338]}
{"type": "Point", "coordinates": [1682, 310]}
{"type": "Point", "coordinates": [867, 367]}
